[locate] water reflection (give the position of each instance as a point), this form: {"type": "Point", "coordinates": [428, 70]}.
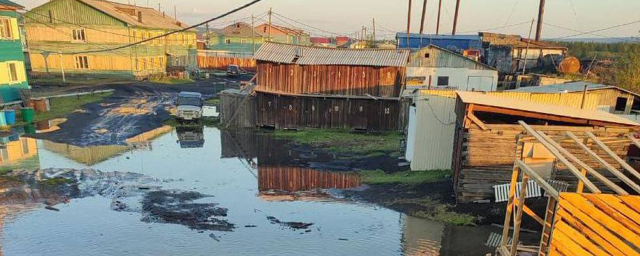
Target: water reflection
{"type": "Point", "coordinates": [190, 136]}
{"type": "Point", "coordinates": [16, 153]}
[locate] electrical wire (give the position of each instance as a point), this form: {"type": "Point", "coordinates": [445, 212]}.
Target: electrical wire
{"type": "Point", "coordinates": [598, 30]}
{"type": "Point", "coordinates": [307, 25]}
{"type": "Point", "coordinates": [498, 28]}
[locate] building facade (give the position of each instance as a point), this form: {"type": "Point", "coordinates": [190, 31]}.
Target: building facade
{"type": "Point", "coordinates": [280, 34]}
{"type": "Point", "coordinates": [455, 43]}
{"type": "Point", "coordinates": [13, 76]}
{"type": "Point", "coordinates": [239, 38]}
{"type": "Point", "coordinates": [435, 67]}
{"type": "Point", "coordinates": [90, 37]}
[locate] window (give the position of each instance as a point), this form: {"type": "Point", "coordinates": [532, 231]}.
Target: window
{"type": "Point", "coordinates": [5, 29]}
{"type": "Point", "coordinates": [13, 72]}
{"type": "Point", "coordinates": [227, 41]}
{"type": "Point", "coordinates": [137, 64]}
{"type": "Point", "coordinates": [79, 36]}
{"type": "Point", "coordinates": [443, 81]}
{"type": "Point", "coordinates": [621, 104]}
{"type": "Point", "coordinates": [243, 41]}
{"type": "Point", "coordinates": [82, 62]}
{"type": "Point", "coordinates": [427, 55]}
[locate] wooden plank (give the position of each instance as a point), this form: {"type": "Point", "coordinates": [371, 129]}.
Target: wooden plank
{"type": "Point", "coordinates": [477, 121]}
{"type": "Point", "coordinates": [512, 192]}
{"type": "Point", "coordinates": [530, 212]}
{"type": "Point", "coordinates": [518, 218]}
{"type": "Point", "coordinates": [585, 168]}
{"type": "Point", "coordinates": [631, 201]}
{"type": "Point", "coordinates": [578, 238]}
{"type": "Point", "coordinates": [568, 241]}
{"type": "Point", "coordinates": [552, 206]}
{"type": "Point", "coordinates": [617, 204]}
{"type": "Point", "coordinates": [615, 157]}
{"type": "Point", "coordinates": [604, 163]}
{"type": "Point", "coordinates": [612, 212]}
{"type": "Point", "coordinates": [560, 157]}
{"type": "Point", "coordinates": [538, 179]}
{"type": "Point", "coordinates": [589, 233]}
{"type": "Point", "coordinates": [578, 201]}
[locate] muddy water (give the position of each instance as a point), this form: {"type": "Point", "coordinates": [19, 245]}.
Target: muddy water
{"type": "Point", "coordinates": [253, 204]}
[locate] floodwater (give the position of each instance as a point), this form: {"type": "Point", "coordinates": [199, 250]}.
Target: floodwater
{"type": "Point", "coordinates": [255, 201]}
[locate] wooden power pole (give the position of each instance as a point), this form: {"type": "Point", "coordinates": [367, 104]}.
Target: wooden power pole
{"type": "Point", "coordinates": [409, 26]}
{"type": "Point", "coordinates": [438, 22]}
{"type": "Point", "coordinates": [269, 36]}
{"type": "Point", "coordinates": [424, 12]}
{"type": "Point", "coordinates": [253, 33]}
{"type": "Point", "coordinates": [374, 32]}
{"type": "Point", "coordinates": [455, 18]}
{"type": "Point", "coordinates": [540, 18]}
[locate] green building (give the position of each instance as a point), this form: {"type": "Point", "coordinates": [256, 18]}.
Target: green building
{"type": "Point", "coordinates": [13, 76]}
{"type": "Point", "coordinates": [236, 38]}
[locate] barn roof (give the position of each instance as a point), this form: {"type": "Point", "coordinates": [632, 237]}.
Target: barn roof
{"type": "Point", "coordinates": [551, 110]}
{"type": "Point", "coordinates": [151, 18]}
{"type": "Point", "coordinates": [309, 55]}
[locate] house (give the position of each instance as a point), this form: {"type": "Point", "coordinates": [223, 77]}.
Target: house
{"type": "Point", "coordinates": [93, 38]}
{"type": "Point", "coordinates": [454, 43]}
{"type": "Point", "coordinates": [487, 128]}
{"type": "Point", "coordinates": [13, 76]}
{"type": "Point", "coordinates": [280, 34]}
{"type": "Point", "coordinates": [436, 67]}
{"type": "Point", "coordinates": [323, 41]}
{"type": "Point", "coordinates": [303, 86]}
{"type": "Point", "coordinates": [342, 41]}
{"type": "Point", "coordinates": [507, 52]}
{"type": "Point", "coordinates": [239, 37]}
{"type": "Point", "coordinates": [611, 99]}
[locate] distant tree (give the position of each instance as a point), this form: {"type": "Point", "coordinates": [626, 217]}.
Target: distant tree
{"type": "Point", "coordinates": [627, 69]}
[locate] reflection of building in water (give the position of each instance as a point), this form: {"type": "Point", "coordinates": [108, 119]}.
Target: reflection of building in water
{"type": "Point", "coordinates": [190, 136]}
{"type": "Point", "coordinates": [19, 153]}
{"type": "Point", "coordinates": [421, 237]}
{"type": "Point", "coordinates": [239, 144]}
{"type": "Point", "coordinates": [88, 155]}
{"type": "Point", "coordinates": [294, 179]}
{"type": "Point", "coordinates": [143, 140]}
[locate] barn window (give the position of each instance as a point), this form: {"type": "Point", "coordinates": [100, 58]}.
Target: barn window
{"type": "Point", "coordinates": [13, 72]}
{"type": "Point", "coordinates": [443, 81]}
{"type": "Point", "coordinates": [5, 28]}
{"type": "Point", "coordinates": [79, 36]}
{"type": "Point", "coordinates": [621, 104]}
{"type": "Point", "coordinates": [227, 41]}
{"type": "Point", "coordinates": [82, 62]}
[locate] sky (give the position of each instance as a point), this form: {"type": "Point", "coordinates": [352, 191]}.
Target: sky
{"type": "Point", "coordinates": [328, 17]}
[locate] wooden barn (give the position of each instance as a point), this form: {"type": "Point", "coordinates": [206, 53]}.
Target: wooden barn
{"type": "Point", "coordinates": [486, 134]}
{"type": "Point", "coordinates": [302, 86]}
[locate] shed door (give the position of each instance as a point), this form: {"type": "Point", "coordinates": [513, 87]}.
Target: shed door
{"type": "Point", "coordinates": [480, 83]}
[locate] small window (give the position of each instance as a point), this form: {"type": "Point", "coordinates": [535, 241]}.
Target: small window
{"type": "Point", "coordinates": [427, 55]}
{"type": "Point", "coordinates": [443, 81]}
{"type": "Point", "coordinates": [5, 29]}
{"type": "Point", "coordinates": [82, 62]}
{"type": "Point", "coordinates": [79, 36]}
{"type": "Point", "coordinates": [13, 72]}
{"type": "Point", "coordinates": [621, 104]}
{"type": "Point", "coordinates": [227, 41]}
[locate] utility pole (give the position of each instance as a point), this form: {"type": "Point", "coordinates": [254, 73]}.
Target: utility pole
{"type": "Point", "coordinates": [175, 13]}
{"type": "Point", "coordinates": [62, 68]}
{"type": "Point", "coordinates": [159, 8]}
{"type": "Point", "coordinates": [526, 53]}
{"type": "Point", "coordinates": [253, 34]}
{"type": "Point", "coordinates": [374, 32]}
{"type": "Point", "coordinates": [438, 22]}
{"type": "Point", "coordinates": [424, 12]}
{"type": "Point", "coordinates": [269, 37]}
{"type": "Point", "coordinates": [540, 18]}
{"type": "Point", "coordinates": [409, 26]}
{"type": "Point", "coordinates": [455, 18]}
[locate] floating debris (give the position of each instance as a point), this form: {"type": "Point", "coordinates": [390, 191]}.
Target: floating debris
{"type": "Point", "coordinates": [292, 225]}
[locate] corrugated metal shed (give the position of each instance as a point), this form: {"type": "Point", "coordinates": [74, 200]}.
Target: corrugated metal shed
{"type": "Point", "coordinates": [433, 128]}
{"type": "Point", "coordinates": [515, 104]}
{"type": "Point", "coordinates": [437, 57]}
{"type": "Point", "coordinates": [307, 55]}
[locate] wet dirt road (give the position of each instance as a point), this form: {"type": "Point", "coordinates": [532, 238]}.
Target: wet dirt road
{"type": "Point", "coordinates": [188, 193]}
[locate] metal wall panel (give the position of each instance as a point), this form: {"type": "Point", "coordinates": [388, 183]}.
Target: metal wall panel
{"type": "Point", "coordinates": [434, 132]}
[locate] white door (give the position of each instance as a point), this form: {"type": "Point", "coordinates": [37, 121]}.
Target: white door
{"type": "Point", "coordinates": [480, 83]}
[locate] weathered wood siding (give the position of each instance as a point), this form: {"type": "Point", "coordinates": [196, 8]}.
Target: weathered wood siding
{"type": "Point", "coordinates": [486, 157]}
{"type": "Point", "coordinates": [288, 112]}
{"type": "Point", "coordinates": [293, 179]}
{"type": "Point", "coordinates": [230, 103]}
{"type": "Point", "coordinates": [222, 63]}
{"type": "Point", "coordinates": [330, 79]}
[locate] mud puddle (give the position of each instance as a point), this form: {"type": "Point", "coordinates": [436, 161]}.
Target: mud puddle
{"type": "Point", "coordinates": [173, 198]}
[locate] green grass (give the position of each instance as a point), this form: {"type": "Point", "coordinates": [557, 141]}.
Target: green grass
{"type": "Point", "coordinates": [212, 101]}
{"type": "Point", "coordinates": [57, 81]}
{"type": "Point", "coordinates": [434, 210]}
{"type": "Point", "coordinates": [60, 107]}
{"type": "Point", "coordinates": [171, 80]}
{"type": "Point", "coordinates": [406, 177]}
{"type": "Point", "coordinates": [340, 141]}
{"type": "Point", "coordinates": [54, 182]}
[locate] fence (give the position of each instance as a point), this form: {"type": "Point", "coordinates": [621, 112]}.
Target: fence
{"type": "Point", "coordinates": [222, 60]}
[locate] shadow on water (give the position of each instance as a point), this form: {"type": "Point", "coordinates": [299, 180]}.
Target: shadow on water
{"type": "Point", "coordinates": [170, 193]}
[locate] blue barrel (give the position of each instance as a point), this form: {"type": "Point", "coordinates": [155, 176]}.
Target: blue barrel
{"type": "Point", "coordinates": [10, 116]}
{"type": "Point", "coordinates": [3, 121]}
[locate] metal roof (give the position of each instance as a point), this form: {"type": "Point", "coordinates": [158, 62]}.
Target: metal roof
{"type": "Point", "coordinates": [308, 55]}
{"type": "Point", "coordinates": [11, 4]}
{"type": "Point", "coordinates": [570, 87]}
{"type": "Point", "coordinates": [151, 18]}
{"type": "Point", "coordinates": [439, 37]}
{"type": "Point", "coordinates": [518, 104]}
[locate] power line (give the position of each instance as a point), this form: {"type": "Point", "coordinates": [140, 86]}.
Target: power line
{"type": "Point", "coordinates": [307, 25]}
{"type": "Point", "coordinates": [497, 28]}
{"type": "Point", "coordinates": [172, 32]}
{"type": "Point", "coordinates": [597, 30]}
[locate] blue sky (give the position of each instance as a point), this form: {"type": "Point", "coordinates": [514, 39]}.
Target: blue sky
{"type": "Point", "coordinates": [348, 16]}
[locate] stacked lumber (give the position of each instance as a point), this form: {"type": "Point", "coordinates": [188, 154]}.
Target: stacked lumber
{"type": "Point", "coordinates": [487, 156]}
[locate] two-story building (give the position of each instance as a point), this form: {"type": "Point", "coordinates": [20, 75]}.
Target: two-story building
{"type": "Point", "coordinates": [239, 37]}
{"type": "Point", "coordinates": [280, 34]}
{"type": "Point", "coordinates": [92, 38]}
{"type": "Point", "coordinates": [13, 76]}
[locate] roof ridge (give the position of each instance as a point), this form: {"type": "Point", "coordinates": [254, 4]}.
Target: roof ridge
{"type": "Point", "coordinates": [342, 49]}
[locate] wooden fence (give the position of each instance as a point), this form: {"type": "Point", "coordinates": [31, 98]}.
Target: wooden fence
{"type": "Point", "coordinates": [220, 61]}
{"type": "Point", "coordinates": [596, 224]}
{"type": "Point", "coordinates": [294, 179]}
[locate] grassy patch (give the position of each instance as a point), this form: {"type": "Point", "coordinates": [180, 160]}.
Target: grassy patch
{"type": "Point", "coordinates": [171, 80]}
{"type": "Point", "coordinates": [344, 141]}
{"type": "Point", "coordinates": [432, 209]}
{"type": "Point", "coordinates": [212, 101]}
{"type": "Point", "coordinates": [406, 177]}
{"type": "Point", "coordinates": [57, 81]}
{"type": "Point", "coordinates": [60, 107]}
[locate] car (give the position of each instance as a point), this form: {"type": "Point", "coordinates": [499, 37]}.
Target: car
{"type": "Point", "coordinates": [233, 70]}
{"type": "Point", "coordinates": [189, 106]}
